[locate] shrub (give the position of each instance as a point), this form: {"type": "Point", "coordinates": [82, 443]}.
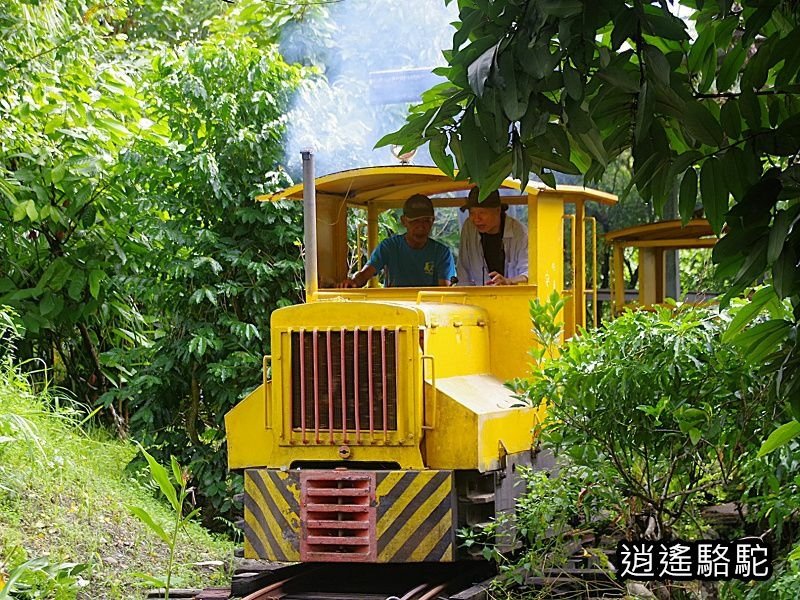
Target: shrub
{"type": "Point", "coordinates": [658, 398]}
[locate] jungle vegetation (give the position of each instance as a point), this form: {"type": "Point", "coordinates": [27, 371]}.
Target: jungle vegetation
{"type": "Point", "coordinates": [135, 133]}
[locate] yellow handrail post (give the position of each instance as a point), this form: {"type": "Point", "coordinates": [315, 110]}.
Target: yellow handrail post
{"type": "Point", "coordinates": [593, 223]}
{"type": "Point", "coordinates": [572, 268]}
{"type": "Point", "coordinates": [433, 388]}
{"type": "Point", "coordinates": [267, 381]}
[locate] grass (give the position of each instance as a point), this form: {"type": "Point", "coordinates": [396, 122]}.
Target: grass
{"type": "Point", "coordinates": [64, 494]}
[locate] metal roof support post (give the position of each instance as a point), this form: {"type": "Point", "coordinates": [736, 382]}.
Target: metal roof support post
{"type": "Point", "coordinates": [310, 224]}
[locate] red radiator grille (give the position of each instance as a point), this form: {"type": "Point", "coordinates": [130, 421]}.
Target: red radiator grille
{"type": "Point", "coordinates": [344, 381]}
{"type": "Point", "coordinates": [337, 516]}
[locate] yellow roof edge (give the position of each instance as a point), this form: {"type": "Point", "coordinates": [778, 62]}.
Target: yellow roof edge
{"type": "Point", "coordinates": [295, 192]}
{"type": "Point", "coordinates": [633, 233]}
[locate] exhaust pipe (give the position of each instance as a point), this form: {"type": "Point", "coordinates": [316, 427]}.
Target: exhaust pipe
{"type": "Point", "coordinates": [310, 224]}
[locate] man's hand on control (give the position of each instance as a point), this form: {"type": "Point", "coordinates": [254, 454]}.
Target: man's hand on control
{"type": "Point", "coordinates": [496, 278]}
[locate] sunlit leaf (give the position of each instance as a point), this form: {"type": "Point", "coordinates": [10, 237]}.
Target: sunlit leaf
{"type": "Point", "coordinates": [780, 437]}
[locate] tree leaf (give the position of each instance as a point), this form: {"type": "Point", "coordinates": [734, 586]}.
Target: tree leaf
{"type": "Point", "coordinates": [30, 210]}
{"type": "Point", "coordinates": [644, 113]}
{"type": "Point", "coordinates": [161, 477]}
{"type": "Point", "coordinates": [699, 48]}
{"type": "Point", "coordinates": [572, 83]}
{"type": "Point", "coordinates": [657, 64]}
{"type": "Point", "coordinates": [763, 339]}
{"type": "Point", "coordinates": [730, 119]}
{"type": "Point", "coordinates": [714, 193]}
{"type": "Point", "coordinates": [515, 92]}
{"type": "Point", "coordinates": [561, 8]}
{"type": "Point", "coordinates": [748, 312]}
{"type": "Point", "coordinates": [663, 24]}
{"type": "Point", "coordinates": [779, 438]}
{"type": "Point", "coordinates": [784, 221]}
{"type": "Point", "coordinates": [439, 156]}
{"type": "Point", "coordinates": [20, 212]}
{"type": "Point", "coordinates": [708, 69]}
{"type": "Point", "coordinates": [95, 276]}
{"type": "Point", "coordinates": [750, 107]}
{"type": "Point", "coordinates": [701, 124]}
{"type": "Point", "coordinates": [57, 173]}
{"type": "Point", "coordinates": [694, 435]}
{"type": "Point", "coordinates": [592, 141]}
{"type": "Point", "coordinates": [624, 27]}
{"type": "Point", "coordinates": [145, 518]}
{"type": "Point", "coordinates": [729, 70]}
{"type": "Point", "coordinates": [786, 272]}
{"type": "Point", "coordinates": [474, 146]}
{"type": "Point", "coordinates": [688, 195]}
{"type": "Point", "coordinates": [76, 284]}
{"type": "Point", "coordinates": [176, 470]}
{"type": "Point", "coordinates": [757, 20]}
{"type": "Point", "coordinates": [478, 72]}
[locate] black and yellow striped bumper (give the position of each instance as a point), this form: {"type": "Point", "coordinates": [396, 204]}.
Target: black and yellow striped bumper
{"type": "Point", "coordinates": [350, 516]}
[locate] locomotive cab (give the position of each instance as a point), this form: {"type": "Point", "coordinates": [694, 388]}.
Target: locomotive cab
{"type": "Point", "coordinates": [383, 424]}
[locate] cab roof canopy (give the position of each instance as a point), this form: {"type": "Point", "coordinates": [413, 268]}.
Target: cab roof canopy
{"type": "Point", "coordinates": [389, 186]}
{"type": "Point", "coordinates": [697, 233]}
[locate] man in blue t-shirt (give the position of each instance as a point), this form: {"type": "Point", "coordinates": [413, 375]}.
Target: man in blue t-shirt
{"type": "Point", "coordinates": [411, 259]}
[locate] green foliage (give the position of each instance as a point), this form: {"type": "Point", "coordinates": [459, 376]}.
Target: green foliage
{"type": "Point", "coordinates": [551, 513]}
{"type": "Point", "coordinates": [63, 496]}
{"type": "Point", "coordinates": [217, 263]}
{"type": "Point", "coordinates": [69, 110]}
{"type": "Point", "coordinates": [567, 87]}
{"type": "Point", "coordinates": [39, 578]}
{"type": "Point", "coordinates": [783, 585]}
{"type": "Point", "coordinates": [547, 328]}
{"type": "Point", "coordinates": [167, 482]}
{"type": "Point", "coordinates": [657, 397]}
{"type": "Point", "coordinates": [168, 21]}
{"type": "Point", "coordinates": [761, 339]}
{"type": "Point", "coordinates": [653, 416]}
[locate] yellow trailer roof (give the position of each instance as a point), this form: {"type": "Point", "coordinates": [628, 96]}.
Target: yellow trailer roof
{"type": "Point", "coordinates": [697, 233]}
{"type": "Point", "coordinates": [390, 186]}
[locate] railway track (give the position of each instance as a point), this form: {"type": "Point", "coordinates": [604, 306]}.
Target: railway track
{"type": "Point", "coordinates": [341, 581]}
{"type": "Point", "coordinates": [579, 579]}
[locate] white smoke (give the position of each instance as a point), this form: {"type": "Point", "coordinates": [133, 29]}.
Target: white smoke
{"type": "Point", "coordinates": [344, 111]}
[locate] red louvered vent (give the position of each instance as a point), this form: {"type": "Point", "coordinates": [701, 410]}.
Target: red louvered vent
{"type": "Point", "coordinates": [337, 516]}
{"type": "Point", "coordinates": [344, 382]}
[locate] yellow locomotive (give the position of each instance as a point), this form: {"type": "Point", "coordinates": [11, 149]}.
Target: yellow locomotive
{"type": "Point", "coordinates": [383, 424]}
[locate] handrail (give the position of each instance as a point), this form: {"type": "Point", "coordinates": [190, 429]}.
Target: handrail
{"type": "Point", "coordinates": [267, 381]}
{"type": "Point", "coordinates": [424, 293]}
{"type": "Point", "coordinates": [340, 294]}
{"type": "Point", "coordinates": [433, 387]}
{"type": "Point", "coordinates": [572, 269]}
{"type": "Point", "coordinates": [359, 237]}
{"type": "Point", "coordinates": [593, 222]}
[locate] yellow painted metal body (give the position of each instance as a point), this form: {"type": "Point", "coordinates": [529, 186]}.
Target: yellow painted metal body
{"type": "Point", "coordinates": [468, 384]}
{"type": "Point", "coordinates": [652, 241]}
{"type": "Point", "coordinates": [451, 351]}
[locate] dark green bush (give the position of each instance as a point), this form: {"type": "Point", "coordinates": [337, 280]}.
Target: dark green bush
{"type": "Point", "coordinates": [657, 397]}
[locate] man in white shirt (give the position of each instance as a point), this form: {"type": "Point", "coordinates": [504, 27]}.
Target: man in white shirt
{"type": "Point", "coordinates": [494, 246]}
